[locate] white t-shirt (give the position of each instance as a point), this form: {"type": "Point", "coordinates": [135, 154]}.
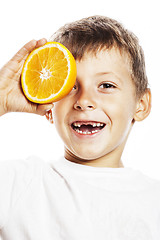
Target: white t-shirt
{"type": "Point", "coordinates": [68, 201]}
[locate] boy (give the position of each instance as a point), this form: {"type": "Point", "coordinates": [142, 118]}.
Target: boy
{"type": "Point", "coordinates": [88, 194]}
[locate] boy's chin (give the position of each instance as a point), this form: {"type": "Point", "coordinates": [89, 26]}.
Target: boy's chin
{"type": "Point", "coordinates": [82, 156]}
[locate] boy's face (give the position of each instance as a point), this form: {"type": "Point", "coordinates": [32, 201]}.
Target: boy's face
{"type": "Point", "coordinates": [95, 118]}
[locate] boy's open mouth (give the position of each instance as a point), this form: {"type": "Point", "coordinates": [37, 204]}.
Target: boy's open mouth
{"type": "Point", "coordinates": [87, 127]}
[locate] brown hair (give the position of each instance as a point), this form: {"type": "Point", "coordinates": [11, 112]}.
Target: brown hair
{"type": "Point", "coordinates": [98, 32]}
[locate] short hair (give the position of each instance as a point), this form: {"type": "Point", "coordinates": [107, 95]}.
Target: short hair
{"type": "Point", "coordinates": [95, 33]}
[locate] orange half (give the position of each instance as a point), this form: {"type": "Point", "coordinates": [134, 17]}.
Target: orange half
{"type": "Point", "coordinates": [49, 73]}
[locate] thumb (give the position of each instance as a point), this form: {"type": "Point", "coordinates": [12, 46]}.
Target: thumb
{"type": "Point", "coordinates": [41, 109]}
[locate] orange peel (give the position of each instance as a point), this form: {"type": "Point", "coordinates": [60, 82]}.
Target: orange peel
{"type": "Point", "coordinates": [49, 73]}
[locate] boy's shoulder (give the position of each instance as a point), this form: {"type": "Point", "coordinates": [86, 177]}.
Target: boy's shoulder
{"type": "Point", "coordinates": [16, 176]}
{"type": "Point", "coordinates": [19, 172]}
{"type": "Point", "coordinates": [20, 168]}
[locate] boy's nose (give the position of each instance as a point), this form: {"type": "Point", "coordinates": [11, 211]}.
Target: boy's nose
{"type": "Point", "coordinates": [85, 102]}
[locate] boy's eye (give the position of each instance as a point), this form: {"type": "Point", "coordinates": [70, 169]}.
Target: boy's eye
{"type": "Point", "coordinates": [106, 85]}
{"type": "Point", "coordinates": [74, 87]}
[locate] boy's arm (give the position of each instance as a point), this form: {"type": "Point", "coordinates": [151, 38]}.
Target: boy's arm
{"type": "Point", "coordinates": [12, 98]}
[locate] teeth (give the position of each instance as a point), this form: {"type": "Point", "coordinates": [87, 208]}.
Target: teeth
{"type": "Point", "coordinates": [94, 124]}
{"type": "Point", "coordinates": [76, 124]}
{"type": "Point", "coordinates": [94, 131]}
{"type": "Point", "coordinates": [77, 128]}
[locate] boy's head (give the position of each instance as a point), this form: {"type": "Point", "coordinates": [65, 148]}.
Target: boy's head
{"type": "Point", "coordinates": [95, 118]}
{"type": "Point", "coordinates": [98, 32]}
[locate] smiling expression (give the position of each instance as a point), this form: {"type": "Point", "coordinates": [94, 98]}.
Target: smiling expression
{"type": "Point", "coordinates": [95, 118]}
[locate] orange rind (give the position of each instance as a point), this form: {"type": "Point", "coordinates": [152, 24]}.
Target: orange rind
{"type": "Point", "coordinates": [49, 73]}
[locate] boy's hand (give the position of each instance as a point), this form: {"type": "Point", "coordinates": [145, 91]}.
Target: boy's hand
{"type": "Point", "coordinates": [12, 98]}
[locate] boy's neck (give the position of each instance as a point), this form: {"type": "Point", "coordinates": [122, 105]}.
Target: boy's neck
{"type": "Point", "coordinates": [100, 162]}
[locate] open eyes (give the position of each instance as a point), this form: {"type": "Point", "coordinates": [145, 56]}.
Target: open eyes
{"type": "Point", "coordinates": [102, 86]}
{"type": "Point", "coordinates": [74, 87]}
{"type": "Point", "coordinates": [106, 86]}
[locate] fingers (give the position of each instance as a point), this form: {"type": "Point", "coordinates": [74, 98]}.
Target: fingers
{"type": "Point", "coordinates": [45, 109]}
{"type": "Point", "coordinates": [41, 42]}
{"type": "Point", "coordinates": [15, 65]}
{"type": "Point", "coordinates": [24, 51]}
{"type": "Point", "coordinates": [27, 48]}
{"type": "Point", "coordinates": [42, 109]}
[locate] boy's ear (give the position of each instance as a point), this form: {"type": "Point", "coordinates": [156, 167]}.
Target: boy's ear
{"type": "Point", "coordinates": [49, 116]}
{"type": "Point", "coordinates": [143, 106]}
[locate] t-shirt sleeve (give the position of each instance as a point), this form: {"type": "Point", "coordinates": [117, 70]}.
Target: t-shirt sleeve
{"type": "Point", "coordinates": [15, 176]}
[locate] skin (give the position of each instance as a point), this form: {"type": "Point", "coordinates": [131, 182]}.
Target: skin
{"type": "Point", "coordinates": [12, 98]}
{"type": "Point", "coordinates": [105, 93]}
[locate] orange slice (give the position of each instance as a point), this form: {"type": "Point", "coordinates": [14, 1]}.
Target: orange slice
{"type": "Point", "coordinates": [49, 73]}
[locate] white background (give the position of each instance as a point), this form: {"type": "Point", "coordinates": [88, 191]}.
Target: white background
{"type": "Point", "coordinates": [22, 134]}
